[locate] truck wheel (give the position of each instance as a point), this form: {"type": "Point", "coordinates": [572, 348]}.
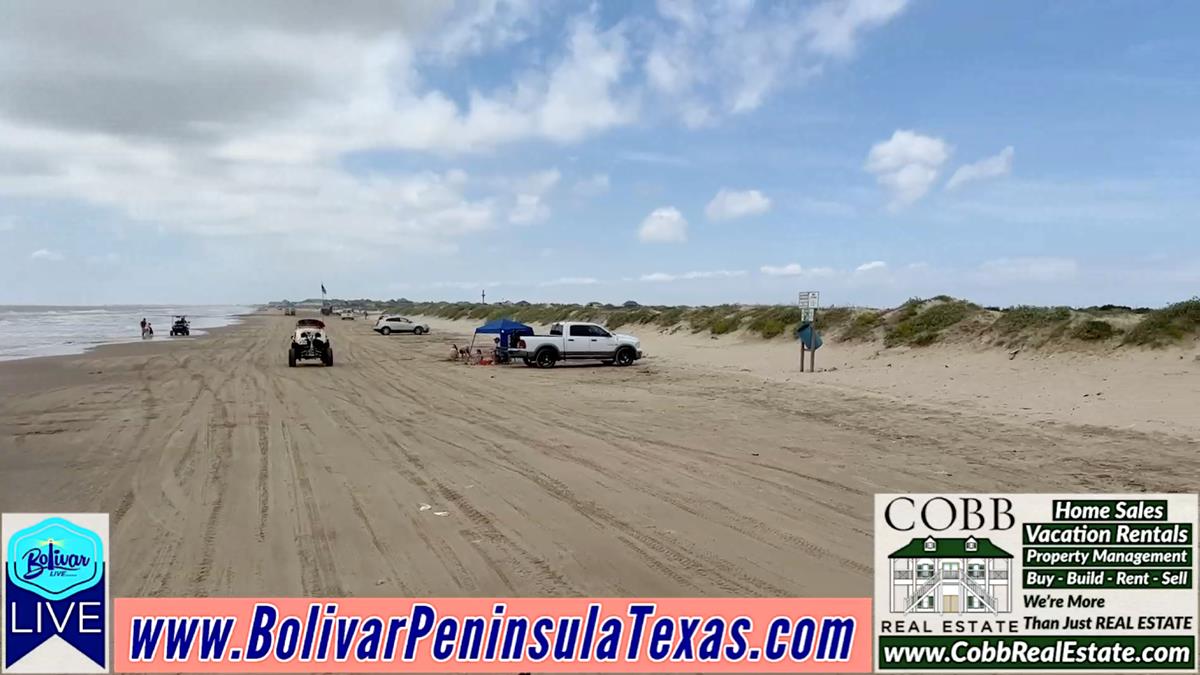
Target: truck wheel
{"type": "Point", "coordinates": [327, 357]}
{"type": "Point", "coordinates": [386, 330]}
{"type": "Point", "coordinates": [546, 358]}
{"type": "Point", "coordinates": [624, 357]}
{"type": "Point", "coordinates": [418, 331]}
{"type": "Point", "coordinates": [291, 359]}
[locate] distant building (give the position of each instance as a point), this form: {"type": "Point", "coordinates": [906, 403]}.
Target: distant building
{"type": "Point", "coordinates": [950, 576]}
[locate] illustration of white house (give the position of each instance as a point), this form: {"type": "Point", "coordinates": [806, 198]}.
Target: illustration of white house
{"type": "Point", "coordinates": [951, 576]}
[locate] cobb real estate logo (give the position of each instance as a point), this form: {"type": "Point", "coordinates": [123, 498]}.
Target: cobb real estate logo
{"type": "Point", "coordinates": [1035, 582]}
{"type": "Point", "coordinates": [56, 593]}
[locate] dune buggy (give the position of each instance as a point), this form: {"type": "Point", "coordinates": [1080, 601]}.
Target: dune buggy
{"type": "Point", "coordinates": [310, 342]}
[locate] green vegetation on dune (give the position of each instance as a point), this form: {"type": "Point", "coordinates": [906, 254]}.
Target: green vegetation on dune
{"type": "Point", "coordinates": [921, 323]}
{"type": "Point", "coordinates": [917, 322]}
{"type": "Point", "coordinates": [831, 318]}
{"type": "Point", "coordinates": [1094, 330]}
{"type": "Point", "coordinates": [1024, 318]}
{"type": "Point", "coordinates": [767, 321]}
{"type": "Point", "coordinates": [775, 320]}
{"type": "Point", "coordinates": [863, 326]}
{"type": "Point", "coordinates": [1170, 324]}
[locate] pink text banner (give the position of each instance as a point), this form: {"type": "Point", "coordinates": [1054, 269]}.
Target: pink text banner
{"type": "Point", "coordinates": [488, 635]}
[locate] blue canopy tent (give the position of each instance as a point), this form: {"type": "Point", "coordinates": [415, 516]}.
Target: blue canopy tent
{"type": "Point", "coordinates": [507, 329]}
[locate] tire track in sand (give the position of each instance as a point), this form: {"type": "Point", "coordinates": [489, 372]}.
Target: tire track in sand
{"type": "Point", "coordinates": [318, 571]}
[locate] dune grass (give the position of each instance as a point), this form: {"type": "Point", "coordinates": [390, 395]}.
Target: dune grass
{"type": "Point", "coordinates": [863, 326]}
{"type": "Point", "coordinates": [1162, 327]}
{"type": "Point", "coordinates": [1025, 318]}
{"type": "Point", "coordinates": [917, 322]}
{"type": "Point", "coordinates": [1094, 330]}
{"type": "Point", "coordinates": [920, 323]}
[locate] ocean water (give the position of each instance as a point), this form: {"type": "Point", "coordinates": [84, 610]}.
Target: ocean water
{"type": "Point", "coordinates": [30, 330]}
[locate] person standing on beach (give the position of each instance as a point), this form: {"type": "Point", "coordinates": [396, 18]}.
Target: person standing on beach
{"type": "Point", "coordinates": [143, 325]}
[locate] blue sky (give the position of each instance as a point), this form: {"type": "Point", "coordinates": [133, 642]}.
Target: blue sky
{"type": "Point", "coordinates": [1014, 152]}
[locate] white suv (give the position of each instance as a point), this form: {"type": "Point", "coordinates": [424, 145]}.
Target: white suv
{"type": "Point", "coordinates": [386, 325]}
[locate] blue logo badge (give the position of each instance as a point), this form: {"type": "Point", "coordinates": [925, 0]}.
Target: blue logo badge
{"type": "Point", "coordinates": [55, 586]}
{"type": "Point", "coordinates": [55, 559]}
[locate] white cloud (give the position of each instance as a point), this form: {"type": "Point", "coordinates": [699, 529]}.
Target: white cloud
{"type": "Point", "coordinates": [789, 270]}
{"type": "Point", "coordinates": [664, 224]}
{"type": "Point", "coordinates": [224, 121]}
{"type": "Point", "coordinates": [645, 157]}
{"type": "Point", "coordinates": [835, 25]}
{"type": "Point", "coordinates": [579, 98]}
{"type": "Point", "coordinates": [530, 206]}
{"type": "Point", "coordinates": [571, 281]}
{"type": "Point", "coordinates": [730, 204]}
{"type": "Point", "coordinates": [988, 167]}
{"type": "Point", "coordinates": [478, 27]}
{"type": "Point", "coordinates": [689, 276]}
{"type": "Point", "coordinates": [541, 182]}
{"type": "Point", "coordinates": [237, 124]}
{"type": "Point", "coordinates": [796, 270]}
{"type": "Point", "coordinates": [46, 254]}
{"type": "Point", "coordinates": [874, 265]}
{"type": "Point", "coordinates": [594, 185]}
{"type": "Point", "coordinates": [907, 164]}
{"type": "Point", "coordinates": [1027, 270]}
{"type": "Point", "coordinates": [575, 96]}
{"type": "Point", "coordinates": [713, 59]}
{"type": "Point", "coordinates": [528, 209]}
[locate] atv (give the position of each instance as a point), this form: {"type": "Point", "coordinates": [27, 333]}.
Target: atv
{"type": "Point", "coordinates": [310, 342]}
{"type": "Point", "coordinates": [181, 326]}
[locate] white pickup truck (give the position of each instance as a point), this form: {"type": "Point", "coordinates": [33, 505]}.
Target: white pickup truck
{"type": "Point", "coordinates": [574, 340]}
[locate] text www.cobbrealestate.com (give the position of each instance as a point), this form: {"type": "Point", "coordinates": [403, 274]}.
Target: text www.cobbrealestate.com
{"type": "Point", "coordinates": [1043, 652]}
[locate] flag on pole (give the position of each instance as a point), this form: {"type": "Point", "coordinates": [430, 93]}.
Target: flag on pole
{"type": "Point", "coordinates": [322, 289]}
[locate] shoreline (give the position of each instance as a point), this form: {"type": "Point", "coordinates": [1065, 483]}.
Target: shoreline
{"type": "Point", "coordinates": [42, 373]}
{"type": "Point", "coordinates": [160, 338]}
{"type": "Point", "coordinates": [78, 348]}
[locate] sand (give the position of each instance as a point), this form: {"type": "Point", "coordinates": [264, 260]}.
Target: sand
{"type": "Point", "coordinates": [711, 468]}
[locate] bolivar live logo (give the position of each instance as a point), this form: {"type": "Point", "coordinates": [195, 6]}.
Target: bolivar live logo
{"type": "Point", "coordinates": [55, 593]}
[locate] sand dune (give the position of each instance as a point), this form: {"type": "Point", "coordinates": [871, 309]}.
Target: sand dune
{"type": "Point", "coordinates": [710, 468]}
